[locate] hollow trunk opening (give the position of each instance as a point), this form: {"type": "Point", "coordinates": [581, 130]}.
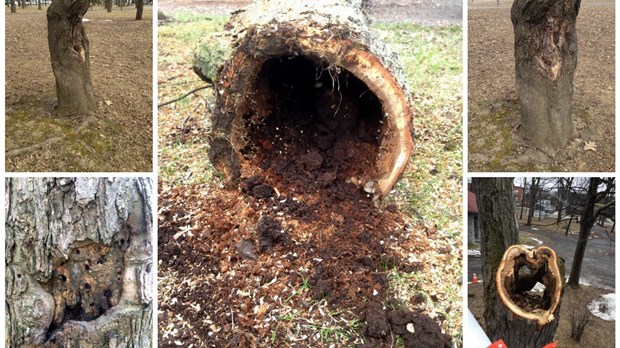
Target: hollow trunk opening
{"type": "Point", "coordinates": [309, 124]}
{"type": "Point", "coordinates": [525, 317]}
{"type": "Point", "coordinates": [314, 68]}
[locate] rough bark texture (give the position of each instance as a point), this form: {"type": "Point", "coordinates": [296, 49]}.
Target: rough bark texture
{"type": "Point", "coordinates": [545, 61]}
{"type": "Point", "coordinates": [330, 47]}
{"type": "Point", "coordinates": [78, 262]}
{"type": "Point", "coordinates": [70, 56]}
{"type": "Point", "coordinates": [496, 207]}
{"type": "Point", "coordinates": [527, 320]}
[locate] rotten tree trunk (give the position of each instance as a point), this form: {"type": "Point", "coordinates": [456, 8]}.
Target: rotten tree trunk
{"type": "Point", "coordinates": [496, 206]}
{"type": "Point", "coordinates": [526, 319]}
{"type": "Point", "coordinates": [70, 56]}
{"type": "Point", "coordinates": [336, 70]}
{"type": "Point", "coordinates": [78, 262]}
{"type": "Point", "coordinates": [545, 61]}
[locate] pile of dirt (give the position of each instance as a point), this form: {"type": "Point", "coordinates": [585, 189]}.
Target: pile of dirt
{"type": "Point", "coordinates": [246, 256]}
{"type": "Point", "coordinates": [530, 302]}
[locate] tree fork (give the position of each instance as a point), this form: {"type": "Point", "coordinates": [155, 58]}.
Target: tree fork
{"type": "Point", "coordinates": [336, 39]}
{"type": "Point", "coordinates": [545, 60]}
{"type": "Point", "coordinates": [525, 320]}
{"type": "Point", "coordinates": [70, 56]}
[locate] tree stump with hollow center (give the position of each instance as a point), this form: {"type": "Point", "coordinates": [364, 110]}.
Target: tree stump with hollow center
{"type": "Point", "coordinates": [526, 319]}
{"type": "Point", "coordinates": [308, 79]}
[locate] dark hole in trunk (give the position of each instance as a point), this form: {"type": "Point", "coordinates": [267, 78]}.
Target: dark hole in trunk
{"type": "Point", "coordinates": [323, 126]}
{"type": "Point", "coordinates": [533, 299]}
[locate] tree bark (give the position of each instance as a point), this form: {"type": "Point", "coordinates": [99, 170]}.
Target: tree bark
{"type": "Point", "coordinates": [499, 231]}
{"type": "Point", "coordinates": [333, 37]}
{"type": "Point", "coordinates": [545, 61]}
{"type": "Point", "coordinates": [78, 262]}
{"type": "Point", "coordinates": [528, 320]}
{"type": "Point", "coordinates": [70, 56]}
{"type": "Point", "coordinates": [139, 9]}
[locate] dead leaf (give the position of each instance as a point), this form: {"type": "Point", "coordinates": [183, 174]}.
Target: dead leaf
{"type": "Point", "coordinates": [262, 311]}
{"type": "Point", "coordinates": [590, 145]}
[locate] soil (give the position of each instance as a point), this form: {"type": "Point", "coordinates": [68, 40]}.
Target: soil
{"type": "Point", "coordinates": [495, 141]}
{"type": "Point", "coordinates": [597, 333]}
{"type": "Point", "coordinates": [118, 137]}
{"type": "Point", "coordinates": [237, 253]}
{"type": "Point", "coordinates": [436, 12]}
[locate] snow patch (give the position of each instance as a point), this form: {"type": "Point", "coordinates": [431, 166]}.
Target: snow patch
{"type": "Point", "coordinates": [534, 228]}
{"type": "Point", "coordinates": [86, 20]}
{"type": "Point", "coordinates": [473, 252]}
{"type": "Point", "coordinates": [536, 240]}
{"type": "Point", "coordinates": [604, 307]}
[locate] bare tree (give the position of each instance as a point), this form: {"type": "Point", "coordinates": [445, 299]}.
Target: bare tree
{"type": "Point", "coordinates": [534, 189]}
{"type": "Point", "coordinates": [599, 197]}
{"type": "Point", "coordinates": [523, 198]}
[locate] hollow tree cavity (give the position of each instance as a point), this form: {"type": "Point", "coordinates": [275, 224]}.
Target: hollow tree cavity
{"type": "Point", "coordinates": [526, 318]}
{"type": "Point", "coordinates": [308, 82]}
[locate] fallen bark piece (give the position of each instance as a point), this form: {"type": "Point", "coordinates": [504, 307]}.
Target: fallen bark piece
{"type": "Point", "coordinates": [526, 319]}
{"type": "Point", "coordinates": [315, 75]}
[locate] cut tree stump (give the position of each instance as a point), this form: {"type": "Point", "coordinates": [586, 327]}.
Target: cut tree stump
{"type": "Point", "coordinates": [545, 61]}
{"type": "Point", "coordinates": [78, 262]}
{"type": "Point", "coordinates": [528, 319]}
{"type": "Point", "coordinates": [314, 67]}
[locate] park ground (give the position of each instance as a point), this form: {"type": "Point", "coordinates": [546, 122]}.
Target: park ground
{"type": "Point", "coordinates": [199, 221]}
{"type": "Point", "coordinates": [597, 277]}
{"type": "Point", "coordinates": [495, 142]}
{"type": "Point", "coordinates": [119, 136]}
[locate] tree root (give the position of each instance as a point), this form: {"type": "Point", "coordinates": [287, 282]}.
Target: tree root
{"type": "Point", "coordinates": [91, 119]}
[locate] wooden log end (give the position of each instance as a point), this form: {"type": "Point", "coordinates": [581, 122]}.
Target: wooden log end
{"type": "Point", "coordinates": [326, 72]}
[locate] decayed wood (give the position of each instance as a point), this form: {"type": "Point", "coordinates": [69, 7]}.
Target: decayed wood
{"type": "Point", "coordinates": [545, 60]}
{"type": "Point", "coordinates": [79, 261]}
{"type": "Point", "coordinates": [528, 327]}
{"type": "Point", "coordinates": [331, 34]}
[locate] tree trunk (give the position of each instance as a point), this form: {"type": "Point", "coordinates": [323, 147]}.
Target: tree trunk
{"type": "Point", "coordinates": [108, 5]}
{"type": "Point", "coordinates": [320, 63]}
{"type": "Point", "coordinates": [78, 262]}
{"type": "Point", "coordinates": [523, 199]}
{"type": "Point", "coordinates": [499, 231]}
{"type": "Point", "coordinates": [587, 221]}
{"type": "Point", "coordinates": [139, 9]}
{"type": "Point", "coordinates": [70, 55]}
{"type": "Point", "coordinates": [545, 61]}
{"type": "Point", "coordinates": [533, 196]}
{"type": "Point", "coordinates": [13, 7]}
{"type": "Point", "coordinates": [39, 4]}
{"type": "Point", "coordinates": [525, 319]}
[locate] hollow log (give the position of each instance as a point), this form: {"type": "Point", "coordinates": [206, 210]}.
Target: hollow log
{"type": "Point", "coordinates": [318, 68]}
{"type": "Point", "coordinates": [545, 61]}
{"type": "Point", "coordinates": [78, 262]}
{"type": "Point", "coordinates": [526, 319]}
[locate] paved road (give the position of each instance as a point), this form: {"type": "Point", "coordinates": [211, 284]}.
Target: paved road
{"type": "Point", "coordinates": [598, 267]}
